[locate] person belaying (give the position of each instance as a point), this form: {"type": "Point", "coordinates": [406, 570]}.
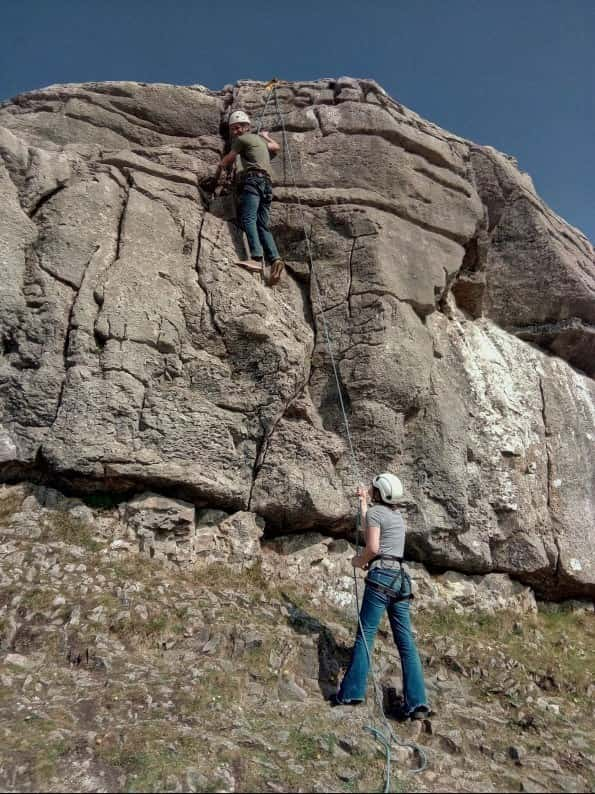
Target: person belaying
{"type": "Point", "coordinates": [388, 587]}
{"type": "Point", "coordinates": [254, 187]}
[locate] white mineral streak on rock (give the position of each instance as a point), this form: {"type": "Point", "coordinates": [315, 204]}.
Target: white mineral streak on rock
{"type": "Point", "coordinates": [8, 450]}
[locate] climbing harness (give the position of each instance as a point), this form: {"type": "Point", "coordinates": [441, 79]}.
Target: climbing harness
{"type": "Point", "coordinates": [386, 737]}
{"type": "Point", "coordinates": [404, 592]}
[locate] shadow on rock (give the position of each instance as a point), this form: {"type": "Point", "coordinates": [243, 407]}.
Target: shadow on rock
{"type": "Point", "coordinates": [332, 657]}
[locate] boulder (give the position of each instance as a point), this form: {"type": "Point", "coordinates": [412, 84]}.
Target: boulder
{"type": "Point", "coordinates": [163, 526]}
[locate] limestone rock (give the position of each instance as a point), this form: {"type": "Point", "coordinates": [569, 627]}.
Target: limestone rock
{"type": "Point", "coordinates": [560, 317]}
{"type": "Point", "coordinates": [489, 593]}
{"type": "Point", "coordinates": [289, 689]}
{"type": "Point", "coordinates": [154, 512]}
{"type": "Point", "coordinates": [18, 660]}
{"type": "Point", "coordinates": [163, 526]}
{"type": "Point", "coordinates": [240, 536]}
{"type": "Point", "coordinates": [135, 355]}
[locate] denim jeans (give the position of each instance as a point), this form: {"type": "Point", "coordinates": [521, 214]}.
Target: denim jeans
{"type": "Point", "coordinates": [255, 205]}
{"type": "Point", "coordinates": [353, 686]}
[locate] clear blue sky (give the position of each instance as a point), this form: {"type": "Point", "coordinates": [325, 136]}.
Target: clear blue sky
{"type": "Point", "coordinates": [516, 74]}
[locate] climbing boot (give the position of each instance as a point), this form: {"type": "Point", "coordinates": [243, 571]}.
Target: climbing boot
{"type": "Point", "coordinates": [421, 713]}
{"type": "Point", "coordinates": [395, 708]}
{"type": "Point", "coordinates": [276, 270]}
{"type": "Point", "coordinates": [250, 264]}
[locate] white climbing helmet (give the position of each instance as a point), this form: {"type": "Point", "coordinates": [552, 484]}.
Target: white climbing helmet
{"type": "Point", "coordinates": [239, 117]}
{"type": "Point", "coordinates": [389, 486]}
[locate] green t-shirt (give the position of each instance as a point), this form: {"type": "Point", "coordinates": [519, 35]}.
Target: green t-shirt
{"type": "Point", "coordinates": [254, 153]}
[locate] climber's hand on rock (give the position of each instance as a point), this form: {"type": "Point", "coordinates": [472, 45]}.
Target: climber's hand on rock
{"type": "Point", "coordinates": [210, 183]}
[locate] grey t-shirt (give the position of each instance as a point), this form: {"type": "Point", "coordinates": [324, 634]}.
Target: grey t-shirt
{"type": "Point", "coordinates": [392, 529]}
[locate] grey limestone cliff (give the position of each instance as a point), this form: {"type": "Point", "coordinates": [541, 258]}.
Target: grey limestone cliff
{"type": "Point", "coordinates": [135, 355]}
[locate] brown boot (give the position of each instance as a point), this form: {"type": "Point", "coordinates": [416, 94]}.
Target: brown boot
{"type": "Point", "coordinates": [276, 270]}
{"type": "Point", "coordinates": [250, 264]}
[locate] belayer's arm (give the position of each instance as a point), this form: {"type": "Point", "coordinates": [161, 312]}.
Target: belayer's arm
{"type": "Point", "coordinates": [370, 550]}
{"type": "Point", "coordinates": [372, 534]}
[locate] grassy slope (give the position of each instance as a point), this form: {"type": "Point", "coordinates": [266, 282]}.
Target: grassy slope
{"type": "Point", "coordinates": [135, 677]}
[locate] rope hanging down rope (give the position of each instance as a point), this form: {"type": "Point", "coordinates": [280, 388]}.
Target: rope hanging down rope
{"type": "Point", "coordinates": [386, 737]}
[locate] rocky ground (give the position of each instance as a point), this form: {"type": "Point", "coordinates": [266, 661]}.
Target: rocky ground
{"type": "Point", "coordinates": [119, 672]}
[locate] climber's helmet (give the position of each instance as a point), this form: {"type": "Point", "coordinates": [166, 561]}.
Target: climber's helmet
{"type": "Point", "coordinates": [389, 487]}
{"type": "Point", "coordinates": [238, 121]}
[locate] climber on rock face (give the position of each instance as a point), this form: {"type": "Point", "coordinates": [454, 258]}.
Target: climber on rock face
{"type": "Point", "coordinates": [253, 175]}
{"type": "Point", "coordinates": [388, 587]}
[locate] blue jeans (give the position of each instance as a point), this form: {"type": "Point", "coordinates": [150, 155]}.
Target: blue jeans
{"type": "Point", "coordinates": [255, 206]}
{"type": "Point", "coordinates": [353, 686]}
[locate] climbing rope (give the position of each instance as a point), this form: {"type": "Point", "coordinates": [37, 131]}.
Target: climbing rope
{"type": "Point", "coordinates": [386, 737]}
{"type": "Point", "coordinates": [269, 88]}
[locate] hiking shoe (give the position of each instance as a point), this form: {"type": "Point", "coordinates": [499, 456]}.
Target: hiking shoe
{"type": "Point", "coordinates": [421, 713]}
{"type": "Point", "coordinates": [276, 270]}
{"type": "Point", "coordinates": [399, 714]}
{"type": "Point", "coordinates": [395, 706]}
{"type": "Point", "coordinates": [335, 701]}
{"type": "Point", "coordinates": [250, 264]}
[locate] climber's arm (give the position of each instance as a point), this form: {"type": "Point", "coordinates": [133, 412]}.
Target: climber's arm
{"type": "Point", "coordinates": [226, 161]}
{"type": "Point", "coordinates": [272, 145]}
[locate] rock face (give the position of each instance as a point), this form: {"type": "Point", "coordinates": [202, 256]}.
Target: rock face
{"type": "Point", "coordinates": [136, 356]}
